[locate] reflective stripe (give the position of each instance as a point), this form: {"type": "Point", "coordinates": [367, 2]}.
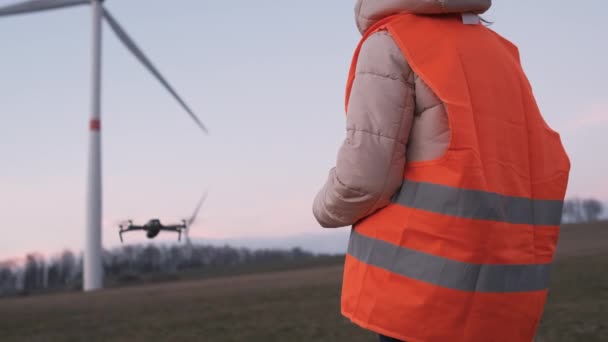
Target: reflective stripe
{"type": "Point", "coordinates": [480, 205]}
{"type": "Point", "coordinates": [445, 272]}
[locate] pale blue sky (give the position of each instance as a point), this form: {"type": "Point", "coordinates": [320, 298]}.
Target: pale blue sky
{"type": "Point", "coordinates": [267, 77]}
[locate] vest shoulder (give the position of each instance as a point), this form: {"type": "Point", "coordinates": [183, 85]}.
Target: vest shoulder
{"type": "Point", "coordinates": [510, 46]}
{"type": "Point", "coordinates": [432, 28]}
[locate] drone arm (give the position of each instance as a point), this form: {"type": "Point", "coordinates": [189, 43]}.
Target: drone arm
{"type": "Point", "coordinates": [175, 228]}
{"type": "Point", "coordinates": [128, 229]}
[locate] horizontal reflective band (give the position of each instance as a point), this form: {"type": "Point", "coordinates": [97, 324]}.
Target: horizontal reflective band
{"type": "Point", "coordinates": [480, 205]}
{"type": "Point", "coordinates": [448, 273]}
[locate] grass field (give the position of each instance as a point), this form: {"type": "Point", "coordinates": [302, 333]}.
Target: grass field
{"type": "Point", "coordinates": [299, 305]}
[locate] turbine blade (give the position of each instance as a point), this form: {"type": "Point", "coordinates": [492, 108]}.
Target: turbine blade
{"type": "Point", "coordinates": [198, 208]}
{"type": "Point", "coordinates": [136, 51]}
{"type": "Point", "coordinates": [32, 6]}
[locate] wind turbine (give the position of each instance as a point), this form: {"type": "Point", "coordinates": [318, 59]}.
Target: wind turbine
{"type": "Point", "coordinates": [93, 268]}
{"type": "Point", "coordinates": [191, 221]}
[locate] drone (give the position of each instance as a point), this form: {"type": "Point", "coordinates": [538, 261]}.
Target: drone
{"type": "Point", "coordinates": [154, 226]}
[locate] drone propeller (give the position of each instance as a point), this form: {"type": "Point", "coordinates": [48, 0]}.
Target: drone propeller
{"type": "Point", "coordinates": [124, 223]}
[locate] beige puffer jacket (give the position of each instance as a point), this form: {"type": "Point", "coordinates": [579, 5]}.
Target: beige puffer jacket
{"type": "Point", "coordinates": [393, 116]}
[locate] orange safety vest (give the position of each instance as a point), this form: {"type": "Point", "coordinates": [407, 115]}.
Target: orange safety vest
{"type": "Point", "coordinates": [463, 252]}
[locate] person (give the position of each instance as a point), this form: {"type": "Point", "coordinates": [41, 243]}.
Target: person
{"type": "Point", "coordinates": [449, 176]}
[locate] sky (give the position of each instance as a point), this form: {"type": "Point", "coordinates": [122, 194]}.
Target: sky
{"type": "Point", "coordinates": [267, 78]}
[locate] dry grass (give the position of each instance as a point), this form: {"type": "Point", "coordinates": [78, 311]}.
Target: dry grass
{"type": "Point", "coordinates": [300, 305]}
{"type": "Point", "coordinates": [583, 239]}
{"type": "Point", "coordinates": [286, 306]}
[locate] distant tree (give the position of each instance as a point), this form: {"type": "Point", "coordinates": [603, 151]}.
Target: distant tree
{"type": "Point", "coordinates": [67, 268]}
{"type": "Point", "coordinates": [54, 274]}
{"type": "Point", "coordinates": [149, 259]}
{"type": "Point", "coordinates": [44, 273]}
{"type": "Point", "coordinates": [577, 207]}
{"type": "Point", "coordinates": [129, 263]}
{"type": "Point", "coordinates": [298, 253]}
{"type": "Point", "coordinates": [7, 281]}
{"type": "Point", "coordinates": [577, 210]}
{"type": "Point", "coordinates": [33, 272]}
{"type": "Point", "coordinates": [568, 211]}
{"type": "Point", "coordinates": [592, 209]}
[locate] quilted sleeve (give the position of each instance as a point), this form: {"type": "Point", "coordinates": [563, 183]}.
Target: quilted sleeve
{"type": "Point", "coordinates": [371, 160]}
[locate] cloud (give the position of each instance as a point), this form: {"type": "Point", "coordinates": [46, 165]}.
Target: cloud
{"type": "Point", "coordinates": [595, 115]}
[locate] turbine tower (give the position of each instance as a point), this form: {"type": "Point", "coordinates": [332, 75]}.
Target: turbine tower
{"type": "Point", "coordinates": [93, 268]}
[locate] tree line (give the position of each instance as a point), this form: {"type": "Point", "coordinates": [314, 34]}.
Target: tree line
{"type": "Point", "coordinates": [64, 272]}
{"type": "Point", "coordinates": [37, 274]}
{"type": "Point", "coordinates": [578, 210]}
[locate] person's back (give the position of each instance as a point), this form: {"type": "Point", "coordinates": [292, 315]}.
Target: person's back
{"type": "Point", "coordinates": [451, 178]}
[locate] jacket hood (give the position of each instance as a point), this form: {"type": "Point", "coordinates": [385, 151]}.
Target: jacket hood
{"type": "Point", "coordinates": [368, 12]}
